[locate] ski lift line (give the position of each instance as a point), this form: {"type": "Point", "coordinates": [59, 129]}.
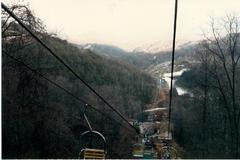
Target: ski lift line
{"type": "Point", "coordinates": [67, 66]}
{"type": "Point", "coordinates": [85, 116]}
{"type": "Point", "coordinates": [172, 68]}
{"type": "Point", "coordinates": [65, 90]}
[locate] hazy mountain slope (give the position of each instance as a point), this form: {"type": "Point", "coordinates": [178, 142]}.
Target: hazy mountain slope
{"type": "Point", "coordinates": [162, 47]}
{"type": "Point", "coordinates": [108, 51]}
{"type": "Point", "coordinates": [143, 58]}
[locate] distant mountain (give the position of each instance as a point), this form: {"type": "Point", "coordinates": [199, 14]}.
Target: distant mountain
{"type": "Point", "coordinates": [154, 47]}
{"type": "Point", "coordinates": [108, 51]}
{"type": "Point", "coordinates": [145, 57]}
{"type": "Point", "coordinates": [162, 47]}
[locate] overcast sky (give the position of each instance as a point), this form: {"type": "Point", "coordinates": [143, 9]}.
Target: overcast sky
{"type": "Point", "coordinates": [128, 23]}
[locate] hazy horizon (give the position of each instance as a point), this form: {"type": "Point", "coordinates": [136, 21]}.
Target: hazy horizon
{"type": "Point", "coordinates": [128, 24]}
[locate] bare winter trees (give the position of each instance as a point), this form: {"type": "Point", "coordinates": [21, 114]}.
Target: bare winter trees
{"type": "Point", "coordinates": [219, 55]}
{"type": "Point", "coordinates": [207, 124]}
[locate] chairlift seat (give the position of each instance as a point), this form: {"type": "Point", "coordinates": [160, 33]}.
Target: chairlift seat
{"type": "Point", "coordinates": [89, 153]}
{"type": "Point", "coordinates": [93, 153]}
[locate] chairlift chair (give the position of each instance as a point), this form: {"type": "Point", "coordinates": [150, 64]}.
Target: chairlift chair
{"type": "Point", "coordinates": [93, 152]}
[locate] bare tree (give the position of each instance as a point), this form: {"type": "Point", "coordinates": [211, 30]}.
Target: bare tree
{"type": "Point", "coordinates": [220, 54]}
{"type": "Point", "coordinates": [25, 89]}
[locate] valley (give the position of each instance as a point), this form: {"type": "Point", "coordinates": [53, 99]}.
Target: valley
{"type": "Point", "coordinates": [153, 120]}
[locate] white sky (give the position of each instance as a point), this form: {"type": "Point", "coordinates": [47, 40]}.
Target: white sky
{"type": "Point", "coordinates": [128, 23]}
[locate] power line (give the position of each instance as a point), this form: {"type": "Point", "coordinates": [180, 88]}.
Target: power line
{"type": "Point", "coordinates": [67, 66]}
{"type": "Point", "coordinates": [172, 69]}
{"type": "Point", "coordinates": [62, 88]}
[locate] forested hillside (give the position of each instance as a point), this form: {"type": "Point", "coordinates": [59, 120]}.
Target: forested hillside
{"type": "Point", "coordinates": [40, 120]}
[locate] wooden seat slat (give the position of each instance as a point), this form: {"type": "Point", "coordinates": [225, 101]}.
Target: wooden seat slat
{"type": "Point", "coordinates": [94, 154]}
